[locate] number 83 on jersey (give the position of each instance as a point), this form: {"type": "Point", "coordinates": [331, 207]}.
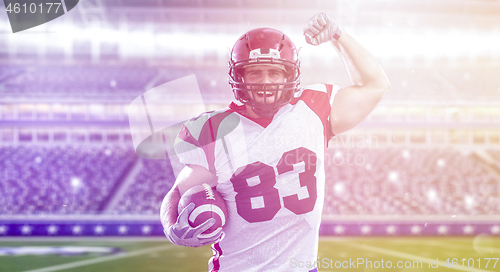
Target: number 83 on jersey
{"type": "Point", "coordinates": [265, 192]}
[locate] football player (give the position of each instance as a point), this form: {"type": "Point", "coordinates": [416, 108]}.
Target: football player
{"type": "Point", "coordinates": [269, 166]}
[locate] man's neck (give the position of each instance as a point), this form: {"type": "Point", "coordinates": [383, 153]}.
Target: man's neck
{"type": "Point", "coordinates": [250, 113]}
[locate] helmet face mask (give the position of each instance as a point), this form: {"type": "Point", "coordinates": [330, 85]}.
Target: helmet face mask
{"type": "Point", "coordinates": [269, 47]}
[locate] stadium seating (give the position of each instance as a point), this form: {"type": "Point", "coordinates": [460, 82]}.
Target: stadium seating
{"type": "Point", "coordinates": [150, 186]}
{"type": "Point", "coordinates": [74, 81]}
{"type": "Point", "coordinates": [400, 181]}
{"type": "Point", "coordinates": [360, 181]}
{"type": "Point", "coordinates": [60, 180]}
{"type": "Point", "coordinates": [127, 82]}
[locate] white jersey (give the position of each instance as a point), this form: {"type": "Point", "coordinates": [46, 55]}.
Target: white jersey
{"type": "Point", "coordinates": [271, 175]}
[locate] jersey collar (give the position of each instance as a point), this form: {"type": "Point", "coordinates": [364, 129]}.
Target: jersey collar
{"type": "Point", "coordinates": [241, 109]}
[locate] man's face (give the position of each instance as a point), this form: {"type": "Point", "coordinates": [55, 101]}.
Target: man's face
{"type": "Point", "coordinates": [264, 74]}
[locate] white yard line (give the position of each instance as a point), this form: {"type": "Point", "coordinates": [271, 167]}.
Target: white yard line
{"type": "Point", "coordinates": [455, 245]}
{"type": "Point", "coordinates": [475, 248]}
{"type": "Point", "coordinates": [411, 257]}
{"type": "Point", "coordinates": [102, 259]}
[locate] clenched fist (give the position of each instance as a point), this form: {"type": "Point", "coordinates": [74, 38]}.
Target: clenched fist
{"type": "Point", "coordinates": [321, 28]}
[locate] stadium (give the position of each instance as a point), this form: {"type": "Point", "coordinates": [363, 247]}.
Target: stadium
{"type": "Point", "coordinates": [416, 185]}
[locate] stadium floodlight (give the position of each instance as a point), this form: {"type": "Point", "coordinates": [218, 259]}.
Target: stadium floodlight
{"type": "Point", "coordinates": [76, 182]}
{"type": "Point", "coordinates": [339, 188]}
{"type": "Point", "coordinates": [393, 176]}
{"type": "Point", "coordinates": [432, 195]}
{"type": "Point", "coordinates": [469, 201]}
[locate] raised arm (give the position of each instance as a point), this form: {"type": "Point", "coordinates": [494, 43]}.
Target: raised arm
{"type": "Point", "coordinates": [369, 83]}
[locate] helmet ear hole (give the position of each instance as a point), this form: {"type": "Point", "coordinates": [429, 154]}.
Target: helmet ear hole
{"type": "Point", "coordinates": [239, 74]}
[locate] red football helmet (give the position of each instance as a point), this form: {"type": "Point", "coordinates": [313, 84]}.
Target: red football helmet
{"type": "Point", "coordinates": [264, 46]}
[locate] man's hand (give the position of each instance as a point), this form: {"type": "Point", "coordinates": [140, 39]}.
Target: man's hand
{"type": "Point", "coordinates": [321, 28]}
{"type": "Point", "coordinates": [182, 234]}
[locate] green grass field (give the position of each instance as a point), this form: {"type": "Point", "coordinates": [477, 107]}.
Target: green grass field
{"type": "Point", "coordinates": [347, 253]}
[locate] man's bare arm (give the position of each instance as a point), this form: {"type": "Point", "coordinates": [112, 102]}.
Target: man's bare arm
{"type": "Point", "coordinates": [369, 84]}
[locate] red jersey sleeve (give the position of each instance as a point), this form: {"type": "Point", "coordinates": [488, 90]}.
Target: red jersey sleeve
{"type": "Point", "coordinates": [319, 98]}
